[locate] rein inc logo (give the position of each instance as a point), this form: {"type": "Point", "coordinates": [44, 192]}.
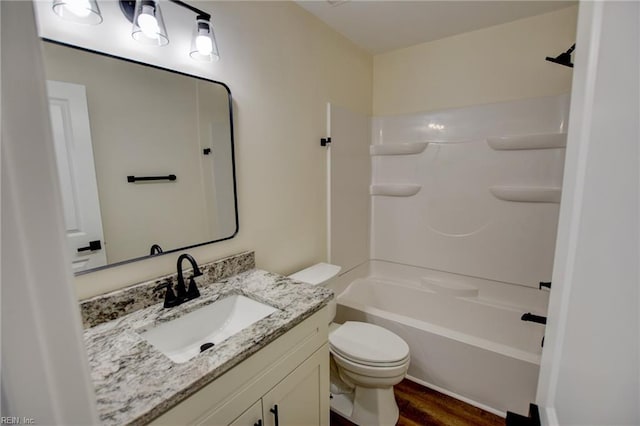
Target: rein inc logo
{"type": "Point", "coordinates": [15, 420]}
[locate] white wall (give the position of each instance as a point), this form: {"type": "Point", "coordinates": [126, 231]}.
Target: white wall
{"type": "Point", "coordinates": [283, 66]}
{"type": "Point", "coordinates": [590, 366]}
{"type": "Point", "coordinates": [500, 63]}
{"type": "Point", "coordinates": [45, 374]}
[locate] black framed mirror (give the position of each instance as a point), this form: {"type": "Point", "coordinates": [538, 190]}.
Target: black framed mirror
{"type": "Point", "coordinates": [144, 153]}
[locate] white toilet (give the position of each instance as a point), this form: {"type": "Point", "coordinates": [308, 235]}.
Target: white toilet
{"type": "Point", "coordinates": [366, 361]}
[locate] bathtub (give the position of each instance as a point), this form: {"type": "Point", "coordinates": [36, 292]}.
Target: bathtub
{"type": "Point", "coordinates": [465, 334]}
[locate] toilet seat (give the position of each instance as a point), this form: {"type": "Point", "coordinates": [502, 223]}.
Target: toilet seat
{"type": "Point", "coordinates": [368, 344]}
{"type": "Point", "coordinates": [346, 357]}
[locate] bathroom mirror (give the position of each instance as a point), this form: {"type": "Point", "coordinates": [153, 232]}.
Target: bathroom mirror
{"type": "Point", "coordinates": [145, 157]}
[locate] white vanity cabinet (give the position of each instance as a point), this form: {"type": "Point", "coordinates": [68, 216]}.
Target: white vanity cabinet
{"type": "Point", "coordinates": [296, 400]}
{"type": "Point", "coordinates": [253, 416]}
{"type": "Point", "coordinates": [290, 376]}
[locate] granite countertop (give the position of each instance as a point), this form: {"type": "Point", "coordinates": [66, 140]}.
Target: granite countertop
{"type": "Point", "coordinates": [136, 383]}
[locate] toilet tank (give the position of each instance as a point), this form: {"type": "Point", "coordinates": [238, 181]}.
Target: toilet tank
{"type": "Point", "coordinates": [319, 274]}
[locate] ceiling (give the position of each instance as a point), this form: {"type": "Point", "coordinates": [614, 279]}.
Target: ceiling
{"type": "Point", "coordinates": [381, 26]}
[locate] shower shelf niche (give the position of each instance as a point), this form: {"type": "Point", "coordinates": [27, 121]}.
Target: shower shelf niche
{"type": "Point", "coordinates": [533, 141]}
{"type": "Point", "coordinates": [527, 194]}
{"type": "Point", "coordinates": [395, 190]}
{"type": "Point", "coordinates": [398, 148]}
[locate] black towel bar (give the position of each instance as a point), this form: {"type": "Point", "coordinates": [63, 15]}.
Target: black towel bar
{"type": "Point", "coordinates": [147, 178]}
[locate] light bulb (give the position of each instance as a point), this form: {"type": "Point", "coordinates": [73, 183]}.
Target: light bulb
{"type": "Point", "coordinates": [84, 12]}
{"type": "Point", "coordinates": [204, 45]}
{"type": "Point", "coordinates": [148, 22]}
{"type": "Point", "coordinates": [203, 41]}
{"type": "Point", "coordinates": [80, 8]}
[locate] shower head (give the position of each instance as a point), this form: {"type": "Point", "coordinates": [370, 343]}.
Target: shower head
{"type": "Point", "coordinates": [564, 58]}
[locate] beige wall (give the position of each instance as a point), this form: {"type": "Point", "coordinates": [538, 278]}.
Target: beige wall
{"type": "Point", "coordinates": [500, 63]}
{"type": "Point", "coordinates": [283, 65]}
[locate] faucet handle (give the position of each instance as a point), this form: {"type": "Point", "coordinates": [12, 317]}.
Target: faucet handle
{"type": "Point", "coordinates": [193, 291]}
{"type": "Point", "coordinates": [170, 299]}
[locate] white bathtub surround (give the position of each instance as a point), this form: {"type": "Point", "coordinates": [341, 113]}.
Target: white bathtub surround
{"type": "Point", "coordinates": [349, 175]}
{"type": "Point", "coordinates": [448, 287]}
{"type": "Point", "coordinates": [464, 211]}
{"type": "Point", "coordinates": [475, 348]}
{"type": "Point", "coordinates": [489, 182]}
{"type": "Point", "coordinates": [395, 189]}
{"type": "Point", "coordinates": [398, 148]}
{"type": "Point", "coordinates": [532, 141]}
{"type": "Point", "coordinates": [527, 194]}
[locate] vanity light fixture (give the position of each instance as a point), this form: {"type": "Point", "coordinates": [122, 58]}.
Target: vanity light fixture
{"type": "Point", "coordinates": [203, 41]}
{"type": "Point", "coordinates": [78, 11]}
{"type": "Point", "coordinates": [148, 25]}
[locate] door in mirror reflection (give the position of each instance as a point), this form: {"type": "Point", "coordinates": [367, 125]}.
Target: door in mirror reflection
{"type": "Point", "coordinates": [74, 157]}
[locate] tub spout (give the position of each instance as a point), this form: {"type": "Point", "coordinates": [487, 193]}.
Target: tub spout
{"type": "Point", "coordinates": [533, 318]}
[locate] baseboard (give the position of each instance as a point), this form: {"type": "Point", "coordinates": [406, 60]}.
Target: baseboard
{"type": "Point", "coordinates": [459, 397]}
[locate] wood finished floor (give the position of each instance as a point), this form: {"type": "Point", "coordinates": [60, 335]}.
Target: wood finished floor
{"type": "Point", "coordinates": [421, 406]}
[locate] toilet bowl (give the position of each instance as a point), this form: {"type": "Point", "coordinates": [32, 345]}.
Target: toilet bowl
{"type": "Point", "coordinates": [367, 361]}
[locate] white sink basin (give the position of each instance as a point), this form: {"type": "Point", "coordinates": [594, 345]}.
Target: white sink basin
{"type": "Point", "coordinates": [181, 338]}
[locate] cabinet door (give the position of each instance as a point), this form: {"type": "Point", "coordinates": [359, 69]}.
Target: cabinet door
{"type": "Point", "coordinates": [251, 417]}
{"type": "Point", "coordinates": [301, 398]}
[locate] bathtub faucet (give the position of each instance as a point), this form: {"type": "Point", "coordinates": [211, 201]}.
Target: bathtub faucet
{"type": "Point", "coordinates": [533, 318]}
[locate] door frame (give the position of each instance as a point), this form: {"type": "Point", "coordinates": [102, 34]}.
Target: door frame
{"type": "Point", "coordinates": [45, 371]}
{"type": "Point", "coordinates": [591, 75]}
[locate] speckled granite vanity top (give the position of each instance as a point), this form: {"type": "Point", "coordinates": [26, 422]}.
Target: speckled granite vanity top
{"type": "Point", "coordinates": [136, 383]}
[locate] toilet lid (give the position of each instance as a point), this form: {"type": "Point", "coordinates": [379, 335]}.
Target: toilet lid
{"type": "Point", "coordinates": [360, 362]}
{"type": "Point", "coordinates": [368, 343]}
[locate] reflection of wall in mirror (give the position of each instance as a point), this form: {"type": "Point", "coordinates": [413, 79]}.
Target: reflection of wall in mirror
{"type": "Point", "coordinates": [214, 130]}
{"type": "Point", "coordinates": [143, 122]}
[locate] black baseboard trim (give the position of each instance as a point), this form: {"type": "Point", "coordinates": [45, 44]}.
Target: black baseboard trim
{"type": "Point", "coordinates": [533, 419]}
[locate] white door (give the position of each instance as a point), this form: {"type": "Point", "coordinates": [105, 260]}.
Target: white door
{"type": "Point", "coordinates": [76, 171]}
